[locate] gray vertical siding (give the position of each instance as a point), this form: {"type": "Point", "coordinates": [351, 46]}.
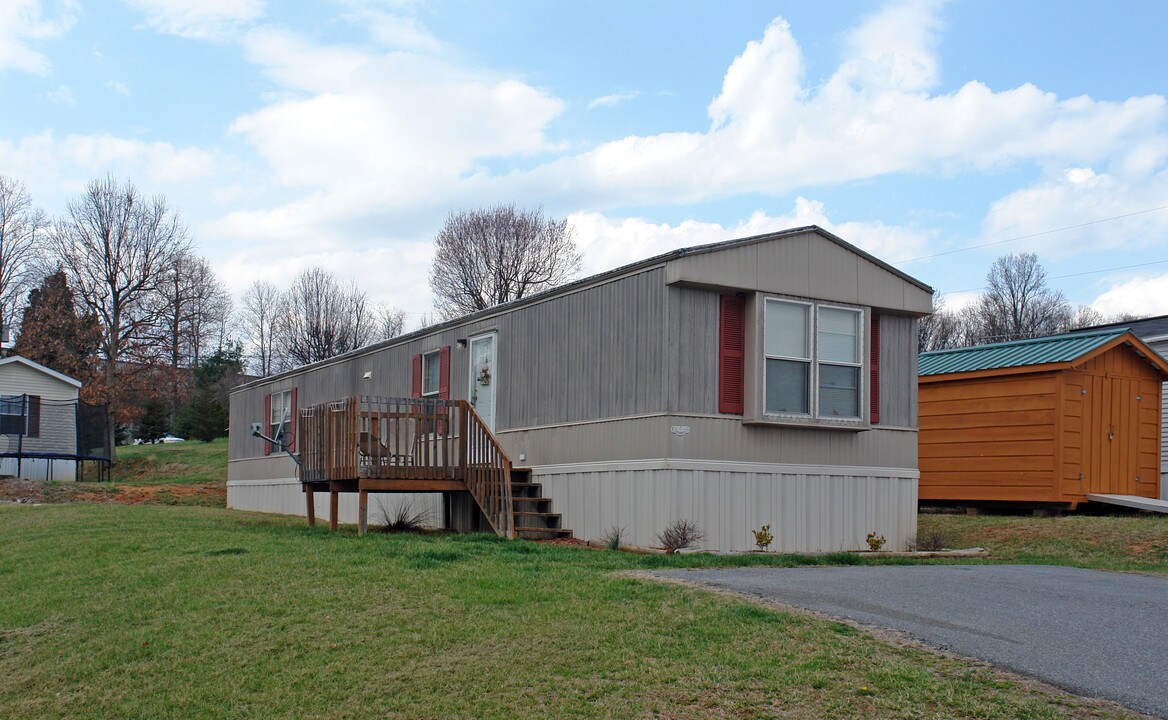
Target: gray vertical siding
{"type": "Point", "coordinates": [898, 370]}
{"type": "Point", "coordinates": [593, 354]}
{"type": "Point", "coordinates": [692, 384]}
{"type": "Point", "coordinates": [635, 345]}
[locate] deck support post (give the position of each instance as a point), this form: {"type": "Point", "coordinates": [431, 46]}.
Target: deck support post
{"type": "Point", "coordinates": [363, 512]}
{"type": "Point", "coordinates": [310, 504]}
{"type": "Point", "coordinates": [334, 496]}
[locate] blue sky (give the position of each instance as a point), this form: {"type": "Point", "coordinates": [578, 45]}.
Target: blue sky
{"type": "Point", "coordinates": [341, 133]}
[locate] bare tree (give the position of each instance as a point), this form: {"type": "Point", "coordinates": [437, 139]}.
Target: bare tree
{"type": "Point", "coordinates": [322, 318]}
{"type": "Point", "coordinates": [944, 329]}
{"type": "Point", "coordinates": [115, 245]}
{"type": "Point", "coordinates": [22, 229]}
{"type": "Point", "coordinates": [192, 307]}
{"type": "Point", "coordinates": [390, 322]}
{"type": "Point", "coordinates": [488, 257]}
{"type": "Point", "coordinates": [261, 319]}
{"type": "Point", "coordinates": [1018, 303]}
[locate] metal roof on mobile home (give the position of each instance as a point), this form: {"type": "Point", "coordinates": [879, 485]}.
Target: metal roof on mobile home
{"type": "Point", "coordinates": [1017, 353]}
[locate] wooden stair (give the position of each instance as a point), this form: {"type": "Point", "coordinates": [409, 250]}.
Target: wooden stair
{"type": "Point", "coordinates": [534, 519]}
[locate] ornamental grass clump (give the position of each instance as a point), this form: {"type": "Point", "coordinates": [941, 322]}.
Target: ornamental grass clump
{"type": "Point", "coordinates": [614, 537]}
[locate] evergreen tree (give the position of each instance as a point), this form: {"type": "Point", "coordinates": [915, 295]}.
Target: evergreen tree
{"type": "Point", "coordinates": [154, 422]}
{"type": "Point", "coordinates": [55, 335]}
{"type": "Point", "coordinates": [205, 416]}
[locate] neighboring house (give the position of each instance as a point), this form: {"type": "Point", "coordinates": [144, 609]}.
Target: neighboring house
{"type": "Point", "coordinates": [1046, 420]}
{"type": "Point", "coordinates": [1154, 332]}
{"type": "Point", "coordinates": [765, 380]}
{"type": "Point", "coordinates": [38, 421]}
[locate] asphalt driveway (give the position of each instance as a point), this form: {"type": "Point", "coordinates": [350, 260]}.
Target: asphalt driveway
{"type": "Point", "coordinates": [1095, 633]}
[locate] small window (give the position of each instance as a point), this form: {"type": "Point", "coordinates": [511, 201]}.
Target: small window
{"type": "Point", "coordinates": [812, 359]}
{"type": "Point", "coordinates": [431, 373]}
{"type": "Point", "coordinates": [281, 419]}
{"type": "Point", "coordinates": [12, 415]}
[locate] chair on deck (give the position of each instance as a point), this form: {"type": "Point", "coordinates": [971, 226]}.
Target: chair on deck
{"type": "Point", "coordinates": [400, 451]}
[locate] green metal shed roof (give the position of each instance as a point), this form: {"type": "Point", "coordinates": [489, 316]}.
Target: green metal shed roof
{"type": "Point", "coordinates": [1017, 353]}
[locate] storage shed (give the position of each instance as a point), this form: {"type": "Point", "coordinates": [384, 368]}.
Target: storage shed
{"type": "Point", "coordinates": [1154, 332]}
{"type": "Point", "coordinates": [1046, 420]}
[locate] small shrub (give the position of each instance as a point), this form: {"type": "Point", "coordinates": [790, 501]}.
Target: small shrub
{"type": "Point", "coordinates": [403, 518]}
{"type": "Point", "coordinates": [930, 540]}
{"type": "Point", "coordinates": [614, 537]}
{"type": "Point", "coordinates": [875, 542]}
{"type": "Point", "coordinates": [680, 534]}
{"type": "Point", "coordinates": [763, 537]}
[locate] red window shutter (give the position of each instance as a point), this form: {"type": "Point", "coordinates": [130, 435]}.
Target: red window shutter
{"type": "Point", "coordinates": [416, 381]}
{"type": "Point", "coordinates": [443, 383]}
{"type": "Point", "coordinates": [292, 420]}
{"type": "Point", "coordinates": [731, 354]}
{"type": "Point", "coordinates": [874, 370]}
{"type": "Point", "coordinates": [267, 423]}
{"type": "Point", "coordinates": [444, 373]}
{"type": "Point", "coordinates": [34, 415]}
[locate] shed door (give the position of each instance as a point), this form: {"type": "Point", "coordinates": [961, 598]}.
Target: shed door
{"type": "Point", "coordinates": [1111, 435]}
{"type": "Point", "coordinates": [483, 378]}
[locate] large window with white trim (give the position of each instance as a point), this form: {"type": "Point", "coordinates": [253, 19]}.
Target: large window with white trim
{"type": "Point", "coordinates": [813, 360]}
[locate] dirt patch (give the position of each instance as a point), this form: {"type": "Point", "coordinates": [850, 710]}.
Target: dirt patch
{"type": "Point", "coordinates": [33, 491]}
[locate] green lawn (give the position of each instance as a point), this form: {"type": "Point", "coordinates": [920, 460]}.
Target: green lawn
{"type": "Point", "coordinates": [186, 462]}
{"type": "Point", "coordinates": [1123, 542]}
{"type": "Point", "coordinates": [185, 612]}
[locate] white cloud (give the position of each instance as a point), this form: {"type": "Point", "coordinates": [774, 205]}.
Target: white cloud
{"type": "Point", "coordinates": [772, 133]}
{"type": "Point", "coordinates": [199, 19]}
{"type": "Point", "coordinates": [118, 88]}
{"type": "Point", "coordinates": [1123, 207]}
{"type": "Point", "coordinates": [61, 96]}
{"type": "Point", "coordinates": [385, 130]}
{"type": "Point", "coordinates": [609, 242]}
{"type": "Point", "coordinates": [23, 22]}
{"type": "Point", "coordinates": [614, 99]}
{"type": "Point", "coordinates": [1142, 297]}
{"type": "Point", "coordinates": [65, 164]}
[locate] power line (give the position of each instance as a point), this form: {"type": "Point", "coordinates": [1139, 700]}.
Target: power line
{"type": "Point", "coordinates": [1032, 235]}
{"type": "Point", "coordinates": [1080, 274]}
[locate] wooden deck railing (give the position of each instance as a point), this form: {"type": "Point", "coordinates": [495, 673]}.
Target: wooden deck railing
{"type": "Point", "coordinates": [364, 437]}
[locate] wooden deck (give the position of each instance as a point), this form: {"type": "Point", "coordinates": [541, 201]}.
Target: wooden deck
{"type": "Point", "coordinates": [368, 444]}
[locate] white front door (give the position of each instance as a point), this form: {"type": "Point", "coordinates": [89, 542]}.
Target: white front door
{"type": "Point", "coordinates": [483, 377]}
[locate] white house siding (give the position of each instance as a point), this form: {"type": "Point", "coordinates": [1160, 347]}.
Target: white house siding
{"type": "Point", "coordinates": [1160, 345]}
{"type": "Point", "coordinates": [809, 508]}
{"type": "Point", "coordinates": [58, 425]}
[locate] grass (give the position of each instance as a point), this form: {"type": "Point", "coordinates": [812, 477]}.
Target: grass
{"type": "Point", "coordinates": [182, 612]}
{"type": "Point", "coordinates": [187, 462]}
{"type": "Point", "coordinates": [1121, 542]}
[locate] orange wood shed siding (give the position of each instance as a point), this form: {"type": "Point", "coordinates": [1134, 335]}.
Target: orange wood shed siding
{"type": "Point", "coordinates": [1027, 437]}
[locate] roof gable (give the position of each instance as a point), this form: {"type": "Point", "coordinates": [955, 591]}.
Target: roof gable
{"type": "Point", "coordinates": [1052, 350]}
{"type": "Point", "coordinates": [804, 262]}
{"type": "Point", "coordinates": [17, 359]}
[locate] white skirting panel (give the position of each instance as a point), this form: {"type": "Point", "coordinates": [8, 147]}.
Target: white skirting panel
{"type": "Point", "coordinates": [284, 496]}
{"type": "Point", "coordinates": [40, 469]}
{"type": "Point", "coordinates": [809, 508]}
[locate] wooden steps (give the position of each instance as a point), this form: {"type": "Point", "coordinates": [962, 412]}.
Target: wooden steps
{"type": "Point", "coordinates": [534, 519]}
